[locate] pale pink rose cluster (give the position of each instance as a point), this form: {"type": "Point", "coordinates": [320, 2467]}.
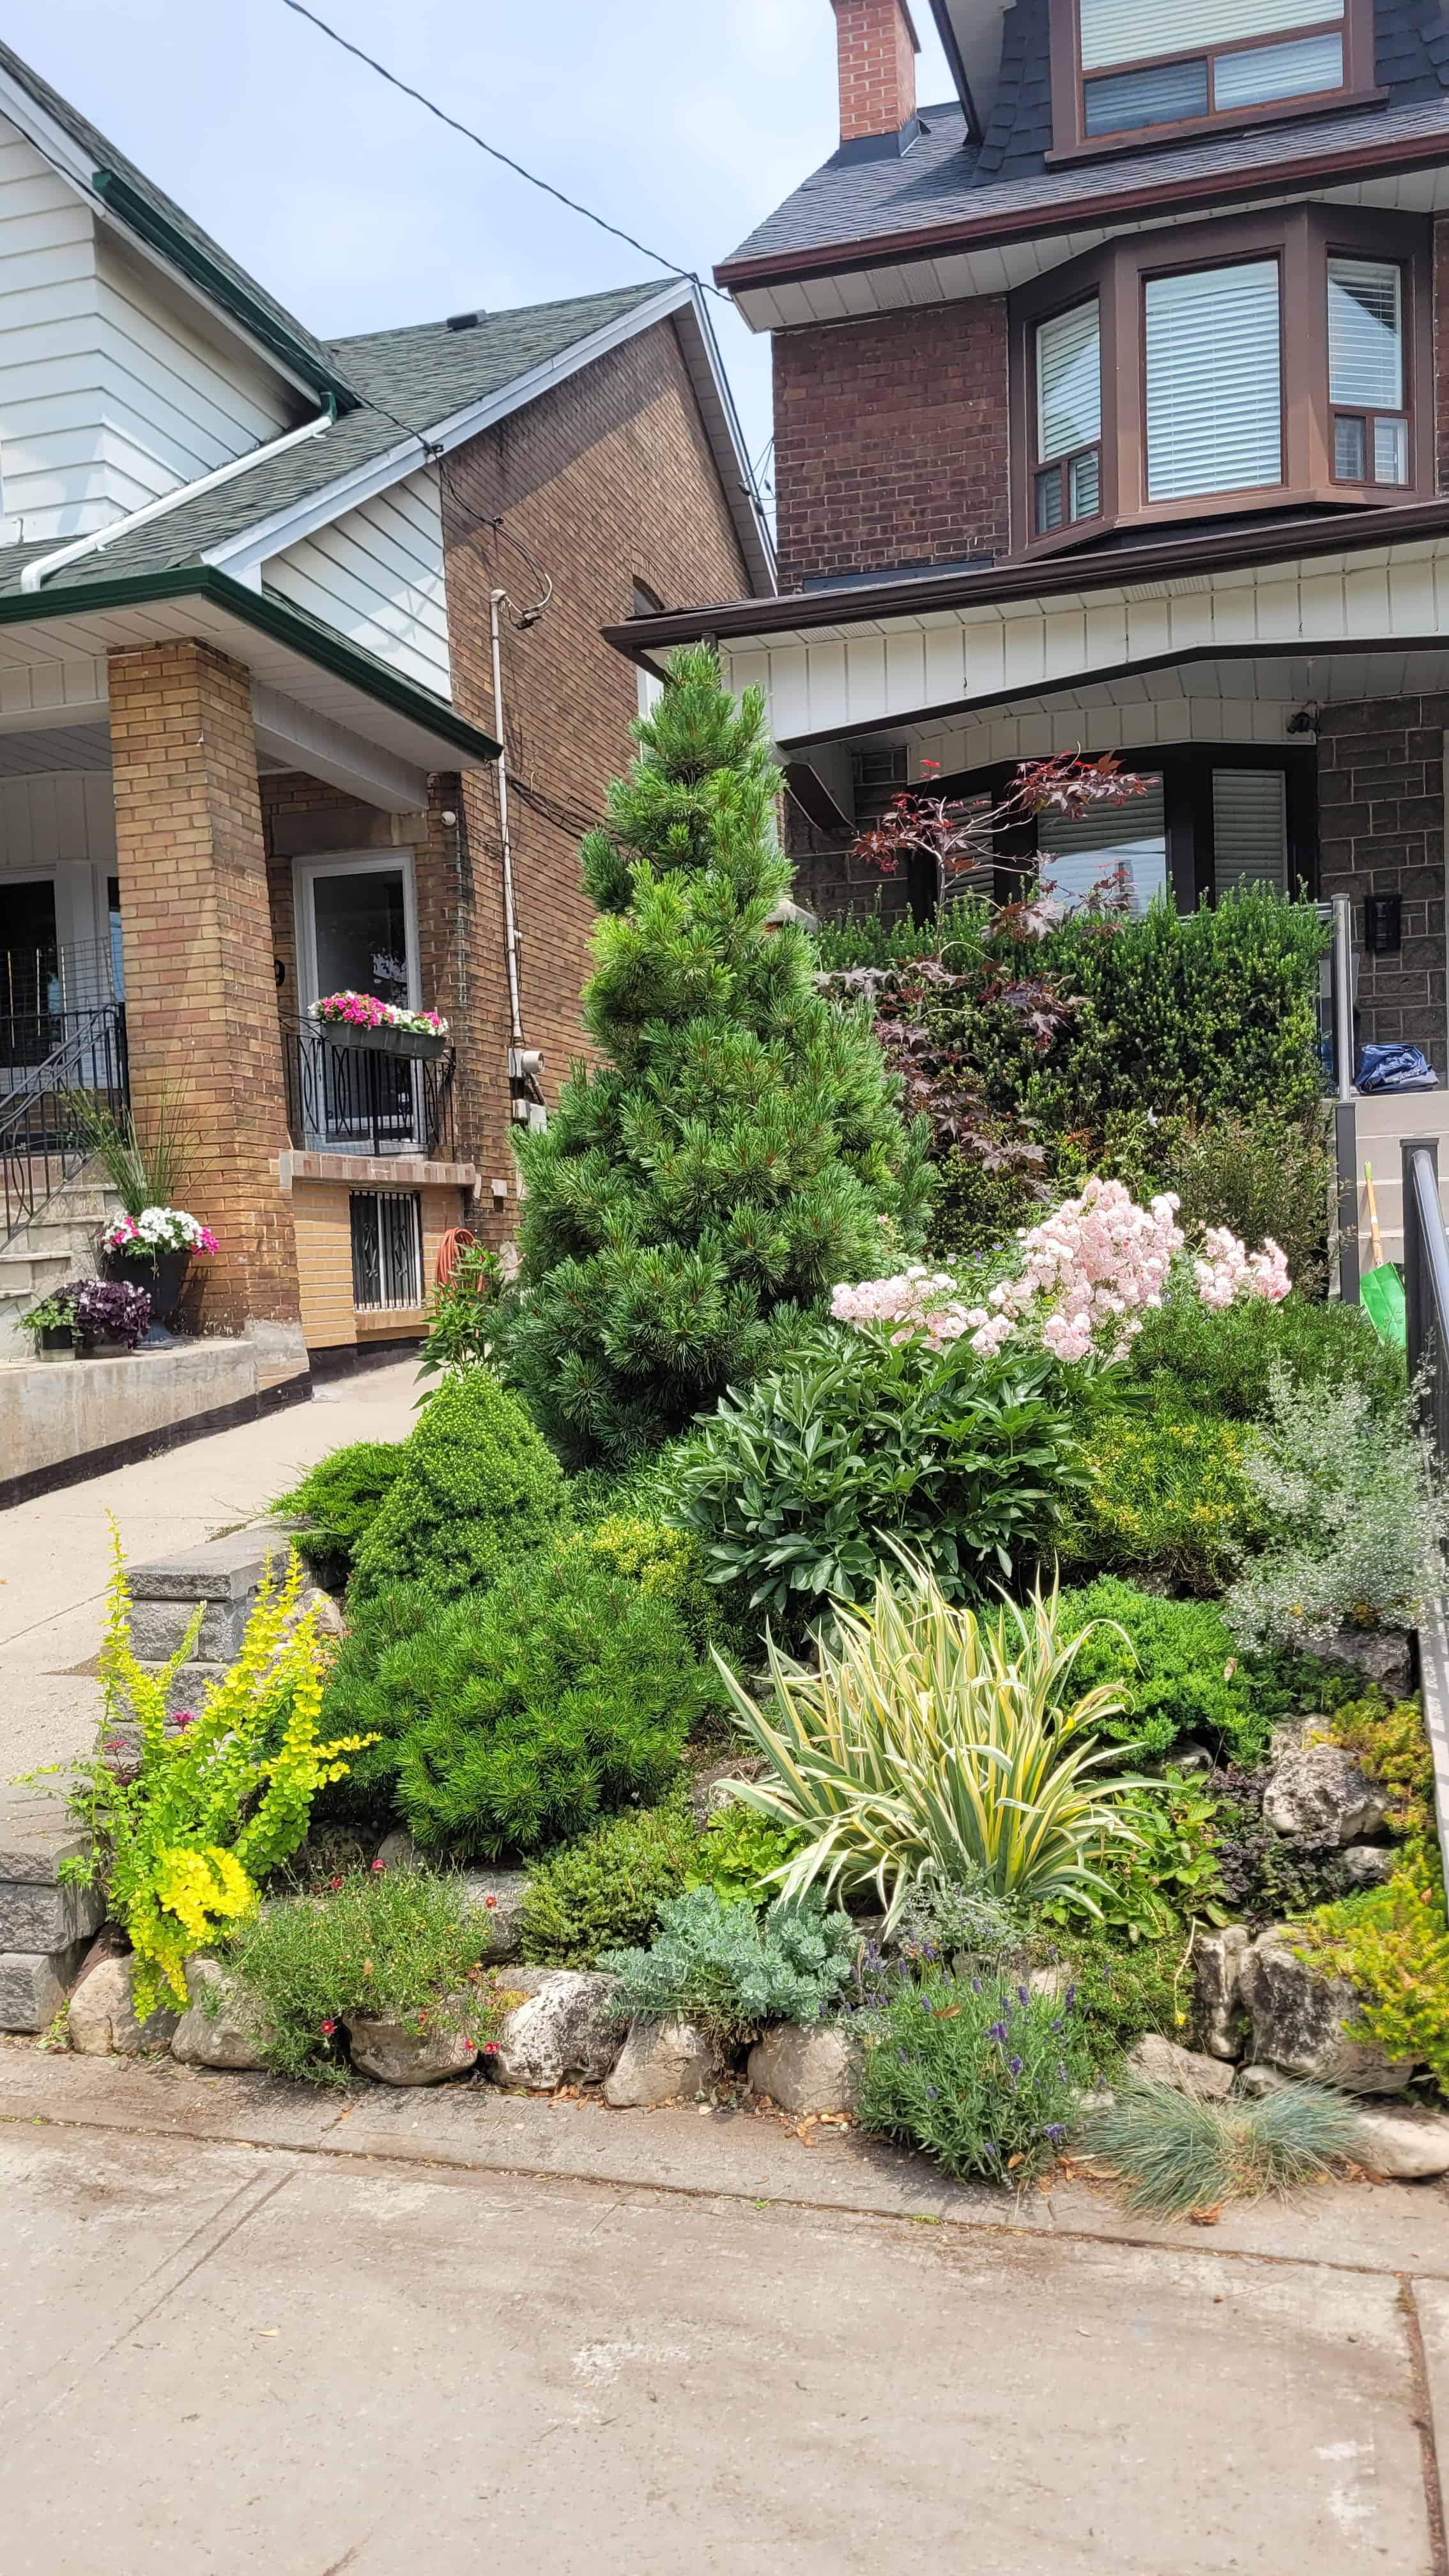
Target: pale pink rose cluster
{"type": "Point", "coordinates": [1102, 1260]}
{"type": "Point", "coordinates": [1226, 1270]}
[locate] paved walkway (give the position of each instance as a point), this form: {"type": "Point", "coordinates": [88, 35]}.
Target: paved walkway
{"type": "Point", "coordinates": [242, 2325]}
{"type": "Point", "coordinates": [55, 1553]}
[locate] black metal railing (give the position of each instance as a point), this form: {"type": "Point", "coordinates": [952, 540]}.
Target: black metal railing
{"type": "Point", "coordinates": [43, 1136]}
{"type": "Point", "coordinates": [1426, 1286]}
{"type": "Point", "coordinates": [348, 1100]}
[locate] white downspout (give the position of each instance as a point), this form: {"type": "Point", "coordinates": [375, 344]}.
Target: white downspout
{"type": "Point", "coordinates": [510, 919]}
{"type": "Point", "coordinates": [44, 565]}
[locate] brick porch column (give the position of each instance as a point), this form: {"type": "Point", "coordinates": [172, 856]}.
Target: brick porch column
{"type": "Point", "coordinates": [201, 1004]}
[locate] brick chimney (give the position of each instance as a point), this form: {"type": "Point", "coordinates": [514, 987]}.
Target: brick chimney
{"type": "Point", "coordinates": [877, 47]}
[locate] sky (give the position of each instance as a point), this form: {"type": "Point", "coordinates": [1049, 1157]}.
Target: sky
{"type": "Point", "coordinates": [358, 211]}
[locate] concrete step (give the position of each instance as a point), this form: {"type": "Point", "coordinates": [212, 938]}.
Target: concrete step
{"type": "Point", "coordinates": [26, 1276]}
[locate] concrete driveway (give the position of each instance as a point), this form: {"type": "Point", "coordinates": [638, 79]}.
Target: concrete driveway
{"type": "Point", "coordinates": [243, 2329]}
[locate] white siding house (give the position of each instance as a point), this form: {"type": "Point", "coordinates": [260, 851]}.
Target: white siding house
{"type": "Point", "coordinates": [376, 574]}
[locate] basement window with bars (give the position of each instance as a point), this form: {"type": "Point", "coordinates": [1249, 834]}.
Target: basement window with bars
{"type": "Point", "coordinates": [387, 1249]}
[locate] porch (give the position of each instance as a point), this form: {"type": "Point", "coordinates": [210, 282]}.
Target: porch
{"type": "Point", "coordinates": [189, 857]}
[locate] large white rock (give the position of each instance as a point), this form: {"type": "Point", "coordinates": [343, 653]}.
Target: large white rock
{"type": "Point", "coordinates": [1407, 2143]}
{"type": "Point", "coordinates": [224, 2025]}
{"type": "Point", "coordinates": [808, 2068]}
{"type": "Point", "coordinates": [1298, 2021]}
{"type": "Point", "coordinates": [661, 2061]}
{"type": "Point", "coordinates": [564, 2032]}
{"type": "Point", "coordinates": [1155, 2060]}
{"type": "Point", "coordinates": [392, 2053]}
{"type": "Point", "coordinates": [1322, 1798]}
{"type": "Point", "coordinates": [102, 2018]}
{"type": "Point", "coordinates": [1217, 1959]}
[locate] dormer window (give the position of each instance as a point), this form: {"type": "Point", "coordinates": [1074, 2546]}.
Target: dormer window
{"type": "Point", "coordinates": [1130, 71]}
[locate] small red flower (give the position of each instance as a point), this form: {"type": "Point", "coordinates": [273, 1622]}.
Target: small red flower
{"type": "Point", "coordinates": [327, 2028]}
{"type": "Point", "coordinates": [377, 1865]}
{"type": "Point", "coordinates": [334, 1882]}
{"type": "Point", "coordinates": [490, 1902]}
{"type": "Point", "coordinates": [490, 2048]}
{"type": "Point", "coordinates": [184, 1717]}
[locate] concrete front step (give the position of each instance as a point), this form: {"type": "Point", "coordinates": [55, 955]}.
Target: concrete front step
{"type": "Point", "coordinates": [24, 1276]}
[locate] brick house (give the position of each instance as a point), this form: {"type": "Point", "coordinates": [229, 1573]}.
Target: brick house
{"type": "Point", "coordinates": [1112, 413]}
{"type": "Point", "coordinates": [248, 731]}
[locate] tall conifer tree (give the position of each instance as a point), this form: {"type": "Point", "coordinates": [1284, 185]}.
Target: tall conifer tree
{"type": "Point", "coordinates": [734, 1157]}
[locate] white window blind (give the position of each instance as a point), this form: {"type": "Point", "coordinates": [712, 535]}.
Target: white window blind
{"type": "Point", "coordinates": [1278, 71]}
{"type": "Point", "coordinates": [1214, 421]}
{"type": "Point", "coordinates": [1250, 829]}
{"type": "Point", "coordinates": [1076, 855]}
{"type": "Point", "coordinates": [1365, 334]}
{"type": "Point", "coordinates": [1129, 31]}
{"type": "Point", "coordinates": [1068, 382]}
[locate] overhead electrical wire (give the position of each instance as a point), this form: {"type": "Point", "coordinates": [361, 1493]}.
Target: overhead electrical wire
{"type": "Point", "coordinates": [300, 10]}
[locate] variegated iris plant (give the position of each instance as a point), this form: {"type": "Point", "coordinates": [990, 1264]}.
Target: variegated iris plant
{"type": "Point", "coordinates": [933, 1744]}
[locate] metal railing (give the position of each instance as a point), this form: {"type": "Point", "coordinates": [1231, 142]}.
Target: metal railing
{"type": "Point", "coordinates": [1426, 1286]}
{"type": "Point", "coordinates": [348, 1100]}
{"type": "Point", "coordinates": [42, 1144]}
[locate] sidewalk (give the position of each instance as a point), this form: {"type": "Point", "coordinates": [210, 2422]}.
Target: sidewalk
{"type": "Point", "coordinates": [55, 1553]}
{"type": "Point", "coordinates": [369, 2330]}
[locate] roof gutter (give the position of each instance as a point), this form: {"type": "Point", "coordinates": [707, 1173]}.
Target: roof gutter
{"type": "Point", "coordinates": [141, 217]}
{"type": "Point", "coordinates": [1049, 217]}
{"type": "Point", "coordinates": [44, 565]}
{"type": "Point", "coordinates": [1065, 575]}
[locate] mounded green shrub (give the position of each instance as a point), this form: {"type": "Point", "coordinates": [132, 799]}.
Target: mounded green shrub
{"type": "Point", "coordinates": [339, 1499]}
{"type": "Point", "coordinates": [393, 1942]}
{"type": "Point", "coordinates": [1167, 1492]}
{"type": "Point", "coordinates": [561, 1695]}
{"type": "Point", "coordinates": [358, 1700]}
{"type": "Point", "coordinates": [477, 1488]}
{"type": "Point", "coordinates": [1219, 1361]}
{"type": "Point", "coordinates": [1183, 1675]}
{"type": "Point", "coordinates": [606, 1891]}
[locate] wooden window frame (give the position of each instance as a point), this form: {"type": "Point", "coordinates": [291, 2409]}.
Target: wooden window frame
{"type": "Point", "coordinates": [1071, 141]}
{"type": "Point", "coordinates": [1302, 239]}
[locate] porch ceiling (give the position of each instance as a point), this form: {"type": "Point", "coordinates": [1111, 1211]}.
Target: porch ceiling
{"type": "Point", "coordinates": [1354, 622]}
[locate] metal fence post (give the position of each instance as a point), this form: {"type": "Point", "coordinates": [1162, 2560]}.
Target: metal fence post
{"type": "Point", "coordinates": [1426, 1284]}
{"type": "Point", "coordinates": [1345, 1139]}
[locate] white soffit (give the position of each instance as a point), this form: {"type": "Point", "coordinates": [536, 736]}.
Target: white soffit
{"type": "Point", "coordinates": [905, 670]}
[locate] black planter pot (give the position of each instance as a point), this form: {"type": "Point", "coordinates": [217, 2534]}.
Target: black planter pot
{"type": "Point", "coordinates": [161, 1275]}
{"type": "Point", "coordinates": [55, 1342]}
{"type": "Point", "coordinates": [410, 1042]}
{"type": "Point", "coordinates": [99, 1348]}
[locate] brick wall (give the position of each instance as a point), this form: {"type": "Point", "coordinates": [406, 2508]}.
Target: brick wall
{"type": "Point", "coordinates": [891, 441]}
{"type": "Point", "coordinates": [877, 60]}
{"type": "Point", "coordinates": [323, 1218]}
{"type": "Point", "coordinates": [201, 1009]}
{"type": "Point", "coordinates": [608, 481]}
{"type": "Point", "coordinates": [1381, 831]}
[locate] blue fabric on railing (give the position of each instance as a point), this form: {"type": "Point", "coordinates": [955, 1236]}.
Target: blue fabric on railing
{"type": "Point", "coordinates": [1395, 1068]}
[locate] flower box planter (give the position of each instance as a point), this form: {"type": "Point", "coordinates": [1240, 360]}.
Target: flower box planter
{"type": "Point", "coordinates": [55, 1342]}
{"type": "Point", "coordinates": [421, 1043]}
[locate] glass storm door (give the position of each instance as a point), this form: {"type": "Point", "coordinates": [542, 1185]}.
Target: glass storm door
{"type": "Point", "coordinates": [356, 922]}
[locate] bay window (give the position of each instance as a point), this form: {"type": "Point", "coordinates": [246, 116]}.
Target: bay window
{"type": "Point", "coordinates": [1123, 71]}
{"type": "Point", "coordinates": [1068, 483]}
{"type": "Point", "coordinates": [1275, 360]}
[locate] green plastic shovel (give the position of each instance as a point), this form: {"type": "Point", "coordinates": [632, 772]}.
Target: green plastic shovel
{"type": "Point", "coordinates": [1381, 1290]}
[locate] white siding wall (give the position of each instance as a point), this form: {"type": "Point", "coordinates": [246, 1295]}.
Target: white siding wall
{"type": "Point", "coordinates": [67, 814]}
{"type": "Point", "coordinates": [376, 574]}
{"type": "Point", "coordinates": [112, 389]}
{"type": "Point", "coordinates": [50, 416]}
{"type": "Point", "coordinates": [174, 405]}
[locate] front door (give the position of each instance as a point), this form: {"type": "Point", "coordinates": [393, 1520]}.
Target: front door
{"type": "Point", "coordinates": [357, 933]}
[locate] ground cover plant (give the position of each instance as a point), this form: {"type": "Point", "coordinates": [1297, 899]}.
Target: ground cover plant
{"type": "Point", "coordinates": [1179, 2154]}
{"type": "Point", "coordinates": [1168, 1494]}
{"type": "Point", "coordinates": [604, 1892]}
{"type": "Point", "coordinates": [185, 1832]}
{"type": "Point", "coordinates": [400, 1944]}
{"type": "Point", "coordinates": [477, 1487]}
{"type": "Point", "coordinates": [925, 1744]}
{"type": "Point", "coordinates": [978, 2073]}
{"type": "Point", "coordinates": [731, 1970]}
{"type": "Point", "coordinates": [1184, 1674]}
{"type": "Point", "coordinates": [733, 1156]}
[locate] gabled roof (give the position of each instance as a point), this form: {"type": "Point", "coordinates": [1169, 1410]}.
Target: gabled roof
{"type": "Point", "coordinates": [91, 152]}
{"type": "Point", "coordinates": [998, 186]}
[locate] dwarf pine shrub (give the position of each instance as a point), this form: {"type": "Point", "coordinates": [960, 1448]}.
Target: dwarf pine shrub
{"type": "Point", "coordinates": [477, 1487]}
{"type": "Point", "coordinates": [339, 1499]}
